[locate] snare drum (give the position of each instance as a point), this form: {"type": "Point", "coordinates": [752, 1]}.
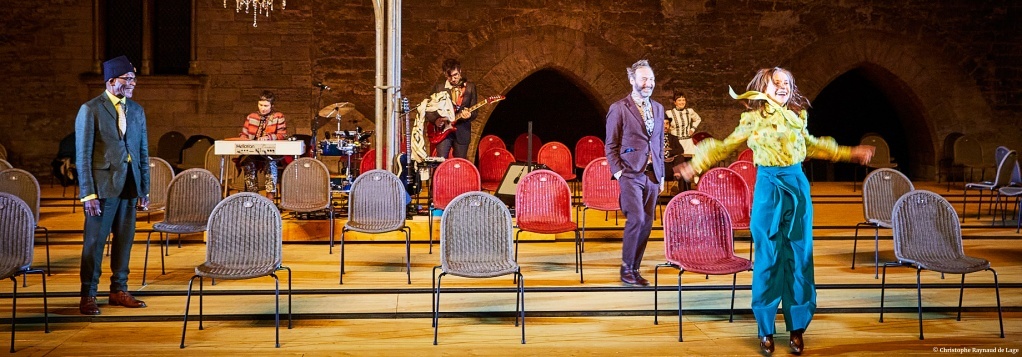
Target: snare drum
{"type": "Point", "coordinates": [340, 147]}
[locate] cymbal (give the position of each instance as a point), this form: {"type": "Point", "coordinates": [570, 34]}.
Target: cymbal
{"type": "Point", "coordinates": [337, 109]}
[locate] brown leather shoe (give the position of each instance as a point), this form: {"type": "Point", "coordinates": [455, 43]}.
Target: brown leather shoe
{"type": "Point", "coordinates": [639, 279]}
{"type": "Point", "coordinates": [796, 342]}
{"type": "Point", "coordinates": [124, 298]}
{"type": "Point", "coordinates": [628, 275]}
{"type": "Point", "coordinates": [88, 306]}
{"type": "Point", "coordinates": [766, 343]}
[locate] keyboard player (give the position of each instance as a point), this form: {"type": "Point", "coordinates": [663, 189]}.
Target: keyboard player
{"type": "Point", "coordinates": [266, 124]}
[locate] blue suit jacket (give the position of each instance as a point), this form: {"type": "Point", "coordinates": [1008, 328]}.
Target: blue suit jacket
{"type": "Point", "coordinates": [102, 155]}
{"type": "Point", "coordinates": [629, 144]}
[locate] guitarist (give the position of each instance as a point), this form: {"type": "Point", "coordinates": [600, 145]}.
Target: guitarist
{"type": "Point", "coordinates": [463, 94]}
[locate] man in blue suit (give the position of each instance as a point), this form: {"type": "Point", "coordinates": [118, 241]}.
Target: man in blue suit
{"type": "Point", "coordinates": [113, 167]}
{"type": "Point", "coordinates": [635, 153]}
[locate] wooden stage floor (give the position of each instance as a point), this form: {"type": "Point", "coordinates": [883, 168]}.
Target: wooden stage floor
{"type": "Point", "coordinates": [375, 312]}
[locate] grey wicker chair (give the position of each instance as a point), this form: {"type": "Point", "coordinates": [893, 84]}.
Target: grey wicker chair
{"type": "Point", "coordinates": [4, 165]}
{"type": "Point", "coordinates": [881, 156]}
{"type": "Point", "coordinates": [244, 242]}
{"type": "Point", "coordinates": [23, 185]}
{"type": "Point", "coordinates": [160, 175]}
{"type": "Point", "coordinates": [305, 187]}
{"type": "Point", "coordinates": [880, 190]}
{"type": "Point", "coordinates": [1016, 192]}
{"type": "Point", "coordinates": [17, 227]}
{"type": "Point", "coordinates": [968, 153]}
{"type": "Point", "coordinates": [191, 197]}
{"type": "Point", "coordinates": [1002, 178]}
{"type": "Point", "coordinates": [376, 204]}
{"type": "Point", "coordinates": [476, 242]}
{"type": "Point", "coordinates": [927, 235]}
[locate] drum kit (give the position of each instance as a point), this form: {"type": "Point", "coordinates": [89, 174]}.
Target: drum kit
{"type": "Point", "coordinates": [346, 143]}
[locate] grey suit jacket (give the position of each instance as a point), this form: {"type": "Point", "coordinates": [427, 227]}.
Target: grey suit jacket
{"type": "Point", "coordinates": [628, 144]}
{"type": "Point", "coordinates": [102, 155]}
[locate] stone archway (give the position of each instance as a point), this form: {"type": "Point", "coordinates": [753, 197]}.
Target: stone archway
{"type": "Point", "coordinates": [919, 80]}
{"type": "Point", "coordinates": [595, 66]}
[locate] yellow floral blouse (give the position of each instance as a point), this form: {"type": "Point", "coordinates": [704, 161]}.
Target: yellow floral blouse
{"type": "Point", "coordinates": [777, 137]}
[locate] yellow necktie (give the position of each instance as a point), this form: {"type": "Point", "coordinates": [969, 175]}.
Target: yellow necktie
{"type": "Point", "coordinates": [122, 120]}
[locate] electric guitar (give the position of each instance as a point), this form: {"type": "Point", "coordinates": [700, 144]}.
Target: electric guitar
{"type": "Point", "coordinates": [408, 173]}
{"type": "Point", "coordinates": [439, 133]}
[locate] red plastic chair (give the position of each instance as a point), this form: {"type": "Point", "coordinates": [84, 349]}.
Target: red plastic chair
{"type": "Point", "coordinates": [699, 136]}
{"type": "Point", "coordinates": [599, 191]}
{"type": "Point", "coordinates": [587, 149]}
{"type": "Point", "coordinates": [728, 187]}
{"type": "Point", "coordinates": [746, 155]}
{"type": "Point", "coordinates": [521, 148]}
{"type": "Point", "coordinates": [493, 165]}
{"type": "Point", "coordinates": [452, 178]}
{"type": "Point", "coordinates": [748, 172]}
{"type": "Point", "coordinates": [488, 142]}
{"type": "Point", "coordinates": [368, 162]}
{"type": "Point", "coordinates": [698, 238]}
{"type": "Point", "coordinates": [543, 205]}
{"type": "Point", "coordinates": [557, 157]}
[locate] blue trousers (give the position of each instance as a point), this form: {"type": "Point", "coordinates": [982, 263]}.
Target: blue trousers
{"type": "Point", "coordinates": [782, 232]}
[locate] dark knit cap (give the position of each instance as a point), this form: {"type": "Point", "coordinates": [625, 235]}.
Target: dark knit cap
{"type": "Point", "coordinates": [116, 67]}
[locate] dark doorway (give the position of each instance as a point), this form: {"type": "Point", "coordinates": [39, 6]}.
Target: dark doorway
{"type": "Point", "coordinates": [559, 109]}
{"type": "Point", "coordinates": [865, 100]}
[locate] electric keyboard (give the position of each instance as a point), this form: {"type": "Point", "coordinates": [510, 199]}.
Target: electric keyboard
{"type": "Point", "coordinates": [259, 147]}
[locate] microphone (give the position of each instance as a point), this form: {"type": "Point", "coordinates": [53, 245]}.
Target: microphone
{"type": "Point", "coordinates": [320, 85]}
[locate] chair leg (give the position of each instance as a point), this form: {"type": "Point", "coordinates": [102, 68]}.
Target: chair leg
{"type": "Point", "coordinates": [145, 262]}
{"type": "Point", "coordinates": [996, 289]}
{"type": "Point", "coordinates": [581, 219]}
{"type": "Point", "coordinates": [290, 322]}
{"type": "Point", "coordinates": [883, 282]}
{"type": "Point", "coordinates": [855, 242]}
{"type": "Point", "coordinates": [680, 272]}
{"type": "Point", "coordinates": [47, 240]}
{"type": "Point", "coordinates": [965, 200]}
{"type": "Point", "coordinates": [14, 309]}
{"type": "Point", "coordinates": [341, 278]}
{"type": "Point", "coordinates": [432, 297]}
{"type": "Point", "coordinates": [961, 292]}
{"type": "Point", "coordinates": [578, 258]}
{"type": "Point", "coordinates": [276, 311]}
{"type": "Point", "coordinates": [919, 294]}
{"type": "Point", "coordinates": [521, 297]}
{"type": "Point", "coordinates": [408, 252]}
{"type": "Point", "coordinates": [656, 290]}
{"type": "Point", "coordinates": [876, 251]}
{"type": "Point", "coordinates": [429, 217]}
{"type": "Point", "coordinates": [188, 304]}
{"type": "Point", "coordinates": [734, 284]}
{"type": "Point", "coordinates": [436, 309]}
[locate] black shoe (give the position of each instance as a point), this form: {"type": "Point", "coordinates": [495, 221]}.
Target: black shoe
{"type": "Point", "coordinates": [796, 342]}
{"type": "Point", "coordinates": [766, 344]}
{"type": "Point", "coordinates": [639, 279]}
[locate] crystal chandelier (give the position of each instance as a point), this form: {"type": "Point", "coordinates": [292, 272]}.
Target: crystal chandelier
{"type": "Point", "coordinates": [257, 7]}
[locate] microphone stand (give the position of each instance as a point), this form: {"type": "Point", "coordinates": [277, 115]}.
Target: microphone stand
{"type": "Point", "coordinates": [315, 123]}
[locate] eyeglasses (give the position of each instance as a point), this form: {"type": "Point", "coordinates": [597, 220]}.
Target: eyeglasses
{"type": "Point", "coordinates": [129, 79]}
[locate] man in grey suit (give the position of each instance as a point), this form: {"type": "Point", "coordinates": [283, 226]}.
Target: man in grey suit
{"type": "Point", "coordinates": [113, 168]}
{"type": "Point", "coordinates": [635, 153]}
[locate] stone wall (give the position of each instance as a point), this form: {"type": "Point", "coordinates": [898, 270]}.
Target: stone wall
{"type": "Point", "coordinates": [954, 65]}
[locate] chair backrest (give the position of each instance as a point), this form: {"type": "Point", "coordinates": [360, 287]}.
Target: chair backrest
{"type": "Point", "coordinates": [245, 231]}
{"type": "Point", "coordinates": [23, 185]}
{"type": "Point", "coordinates": [968, 151]}
{"type": "Point", "coordinates": [521, 148]}
{"type": "Point", "coordinates": [697, 227]}
{"type": "Point", "coordinates": [700, 136]}
{"type": "Point", "coordinates": [160, 175]}
{"type": "Point", "coordinates": [882, 153]}
{"type": "Point", "coordinates": [492, 166]}
{"type": "Point", "coordinates": [476, 238]}
{"type": "Point", "coordinates": [880, 190]}
{"type": "Point", "coordinates": [926, 228]}
{"type": "Point", "coordinates": [1016, 174]}
{"type": "Point", "coordinates": [368, 161]}
{"type": "Point", "coordinates": [747, 170]}
{"type": "Point", "coordinates": [542, 197]}
{"type": "Point", "coordinates": [488, 142]}
{"type": "Point", "coordinates": [17, 227]}
{"type": "Point", "coordinates": [587, 149]}
{"type": "Point", "coordinates": [557, 157]}
{"type": "Point", "coordinates": [193, 153]}
{"type": "Point", "coordinates": [599, 191]}
{"type": "Point", "coordinates": [192, 195]}
{"type": "Point", "coordinates": [169, 147]}
{"type": "Point", "coordinates": [1005, 167]}
{"type": "Point", "coordinates": [728, 187]}
{"type": "Point", "coordinates": [949, 146]}
{"type": "Point", "coordinates": [452, 178]}
{"type": "Point", "coordinates": [377, 196]}
{"type": "Point", "coordinates": [305, 186]}
{"type": "Point", "coordinates": [746, 155]}
{"type": "Point", "coordinates": [4, 165]}
{"type": "Point", "coordinates": [212, 162]}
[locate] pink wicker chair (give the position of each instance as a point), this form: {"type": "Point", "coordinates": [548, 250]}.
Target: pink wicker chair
{"type": "Point", "coordinates": [587, 149]}
{"type": "Point", "coordinates": [543, 205]}
{"type": "Point", "coordinates": [452, 178]}
{"type": "Point", "coordinates": [748, 172]}
{"type": "Point", "coordinates": [599, 192]}
{"type": "Point", "coordinates": [489, 142]}
{"type": "Point", "coordinates": [522, 146]}
{"type": "Point", "coordinates": [698, 238]}
{"type": "Point", "coordinates": [745, 155]}
{"type": "Point", "coordinates": [492, 166]}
